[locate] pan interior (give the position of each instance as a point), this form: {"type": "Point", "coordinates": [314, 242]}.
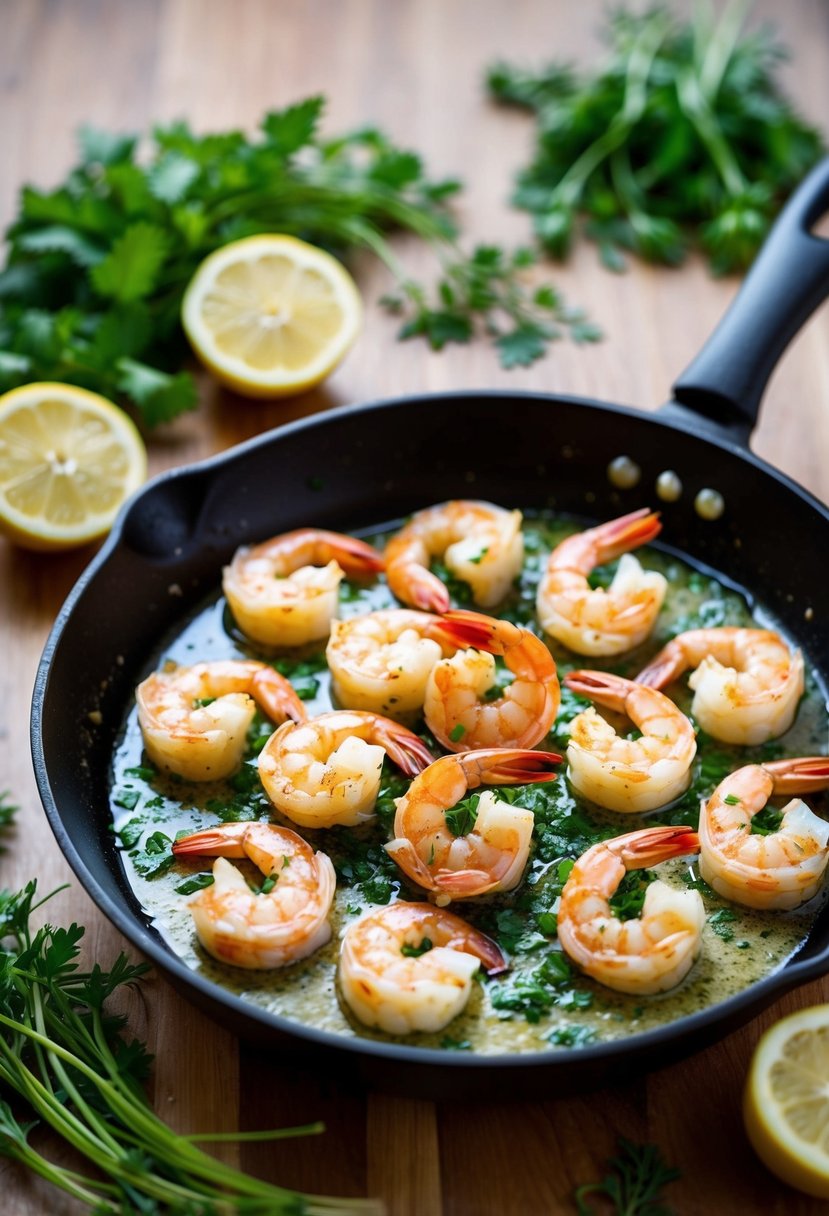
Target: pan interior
{"type": "Point", "coordinates": [348, 474]}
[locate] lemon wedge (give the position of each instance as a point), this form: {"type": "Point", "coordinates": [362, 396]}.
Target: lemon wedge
{"type": "Point", "coordinates": [786, 1105]}
{"type": "Point", "coordinates": [271, 315]}
{"type": "Point", "coordinates": [68, 460]}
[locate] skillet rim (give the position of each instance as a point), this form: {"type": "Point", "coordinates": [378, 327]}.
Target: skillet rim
{"type": "Point", "coordinates": [689, 1027]}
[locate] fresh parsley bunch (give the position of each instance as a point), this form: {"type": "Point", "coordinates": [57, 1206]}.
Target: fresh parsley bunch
{"type": "Point", "coordinates": [682, 138]}
{"type": "Point", "coordinates": [63, 1059]}
{"type": "Point", "coordinates": [97, 268]}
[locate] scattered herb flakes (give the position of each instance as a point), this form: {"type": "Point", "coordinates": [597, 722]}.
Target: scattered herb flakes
{"type": "Point", "coordinates": [721, 922]}
{"type": "Point", "coordinates": [196, 883]}
{"type": "Point", "coordinates": [572, 1036]}
{"type": "Point", "coordinates": [634, 1185]}
{"type": "Point", "coordinates": [144, 772]}
{"type": "Point", "coordinates": [127, 798]}
{"type": "Point", "coordinates": [767, 821]}
{"type": "Point", "coordinates": [155, 857]}
{"type": "Point", "coordinates": [682, 137]}
{"type": "Point", "coordinates": [534, 993]}
{"type": "Point", "coordinates": [457, 733]}
{"type": "Point", "coordinates": [130, 832]}
{"type": "Point", "coordinates": [629, 898]}
{"type": "Point", "coordinates": [461, 819]}
{"type": "Point", "coordinates": [449, 1044]}
{"type": "Point", "coordinates": [409, 951]}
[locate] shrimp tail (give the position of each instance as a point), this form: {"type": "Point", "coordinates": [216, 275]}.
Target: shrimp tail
{"type": "Point", "coordinates": [602, 687]}
{"type": "Point", "coordinates": [224, 841]}
{"type": "Point", "coordinates": [664, 667]}
{"type": "Point", "coordinates": [639, 850]}
{"type": "Point", "coordinates": [463, 628]}
{"type": "Point", "coordinates": [420, 588]}
{"type": "Point", "coordinates": [799, 776]}
{"type": "Point", "coordinates": [403, 747]}
{"type": "Point", "coordinates": [355, 556]}
{"type": "Point", "coordinates": [508, 766]}
{"type": "Point", "coordinates": [619, 536]}
{"type": "Point", "coordinates": [277, 696]}
{"type": "Point", "coordinates": [406, 856]}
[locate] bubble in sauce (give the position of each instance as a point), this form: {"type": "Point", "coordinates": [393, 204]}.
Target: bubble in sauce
{"type": "Point", "coordinates": [709, 504]}
{"type": "Point", "coordinates": [624, 473]}
{"type": "Point", "coordinates": [668, 486]}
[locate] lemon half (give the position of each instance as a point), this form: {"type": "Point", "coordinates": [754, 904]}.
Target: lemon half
{"type": "Point", "coordinates": [271, 315]}
{"type": "Point", "coordinates": [786, 1105]}
{"type": "Point", "coordinates": [68, 460]}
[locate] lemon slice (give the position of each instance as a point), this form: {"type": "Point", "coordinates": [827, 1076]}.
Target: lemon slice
{"type": "Point", "coordinates": [786, 1106]}
{"type": "Point", "coordinates": [68, 460]}
{"type": "Point", "coordinates": [271, 315]}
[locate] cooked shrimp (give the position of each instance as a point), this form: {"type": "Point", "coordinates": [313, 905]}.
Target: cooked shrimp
{"type": "Point", "coordinates": [648, 954]}
{"type": "Point", "coordinates": [194, 719]}
{"type": "Point", "coordinates": [327, 770]}
{"type": "Point", "coordinates": [480, 543]}
{"type": "Point", "coordinates": [286, 921]}
{"type": "Point", "coordinates": [387, 982]}
{"type": "Point", "coordinates": [599, 622]}
{"type": "Point", "coordinates": [747, 683]}
{"type": "Point", "coordinates": [780, 870]}
{"type": "Point", "coordinates": [491, 856]}
{"type": "Point", "coordinates": [284, 591]}
{"type": "Point", "coordinates": [628, 775]}
{"type": "Point", "coordinates": [525, 711]}
{"type": "Point", "coordinates": [381, 661]}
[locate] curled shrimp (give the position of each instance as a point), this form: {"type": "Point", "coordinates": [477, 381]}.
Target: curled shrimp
{"type": "Point", "coordinates": [381, 661]}
{"type": "Point", "coordinates": [779, 870]}
{"type": "Point", "coordinates": [286, 921]}
{"type": "Point", "coordinates": [747, 684]}
{"type": "Point", "coordinates": [195, 719]}
{"type": "Point", "coordinates": [597, 621]}
{"type": "Point", "coordinates": [327, 770]}
{"type": "Point", "coordinates": [284, 592]}
{"type": "Point", "coordinates": [480, 543]}
{"type": "Point", "coordinates": [409, 967]}
{"type": "Point", "coordinates": [493, 852]}
{"type": "Point", "coordinates": [648, 954]}
{"type": "Point", "coordinates": [628, 775]}
{"type": "Point", "coordinates": [525, 711]}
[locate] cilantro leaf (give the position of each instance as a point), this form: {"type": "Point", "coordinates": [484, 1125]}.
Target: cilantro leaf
{"type": "Point", "coordinates": [160, 397]}
{"type": "Point", "coordinates": [131, 268]}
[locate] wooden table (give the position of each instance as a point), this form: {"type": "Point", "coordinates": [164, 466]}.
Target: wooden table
{"type": "Point", "coordinates": [413, 67]}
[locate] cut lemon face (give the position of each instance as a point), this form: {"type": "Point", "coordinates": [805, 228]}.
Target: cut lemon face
{"type": "Point", "coordinates": [786, 1106]}
{"type": "Point", "coordinates": [68, 460]}
{"type": "Point", "coordinates": [271, 315]}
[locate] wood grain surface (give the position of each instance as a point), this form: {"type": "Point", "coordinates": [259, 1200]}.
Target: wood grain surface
{"type": "Point", "coordinates": [413, 67]}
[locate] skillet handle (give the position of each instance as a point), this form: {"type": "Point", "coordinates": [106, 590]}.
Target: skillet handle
{"type": "Point", "coordinates": [787, 281]}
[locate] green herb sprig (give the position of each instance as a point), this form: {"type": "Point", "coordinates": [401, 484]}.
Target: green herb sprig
{"type": "Point", "coordinates": [63, 1056]}
{"type": "Point", "coordinates": [97, 268]}
{"type": "Point", "coordinates": [682, 138]}
{"type": "Point", "coordinates": [634, 1186]}
{"type": "Point", "coordinates": [8, 810]}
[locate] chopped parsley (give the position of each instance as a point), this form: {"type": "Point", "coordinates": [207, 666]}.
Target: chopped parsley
{"type": "Point", "coordinates": [409, 951]}
{"type": "Point", "coordinates": [457, 733]}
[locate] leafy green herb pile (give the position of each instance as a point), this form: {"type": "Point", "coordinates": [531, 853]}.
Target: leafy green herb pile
{"type": "Point", "coordinates": [683, 137]}
{"type": "Point", "coordinates": [63, 1057]}
{"type": "Point", "coordinates": [634, 1185]}
{"type": "Point", "coordinates": [97, 268]}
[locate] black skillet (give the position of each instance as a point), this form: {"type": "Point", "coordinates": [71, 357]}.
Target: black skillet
{"type": "Point", "coordinates": [358, 467]}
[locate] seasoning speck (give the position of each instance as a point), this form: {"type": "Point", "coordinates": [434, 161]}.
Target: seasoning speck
{"type": "Point", "coordinates": [623, 473]}
{"type": "Point", "coordinates": [709, 504]}
{"type": "Point", "coordinates": [668, 486]}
